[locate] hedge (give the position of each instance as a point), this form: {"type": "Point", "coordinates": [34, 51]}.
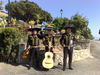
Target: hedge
{"type": "Point", "coordinates": [9, 40]}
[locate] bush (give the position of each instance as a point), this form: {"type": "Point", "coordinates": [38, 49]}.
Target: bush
{"type": "Point", "coordinates": [9, 40]}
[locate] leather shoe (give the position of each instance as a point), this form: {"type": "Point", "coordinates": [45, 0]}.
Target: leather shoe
{"type": "Point", "coordinates": [63, 69]}
{"type": "Point", "coordinates": [70, 68]}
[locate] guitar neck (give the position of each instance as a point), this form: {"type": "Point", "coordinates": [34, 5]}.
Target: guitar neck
{"type": "Point", "coordinates": [50, 46]}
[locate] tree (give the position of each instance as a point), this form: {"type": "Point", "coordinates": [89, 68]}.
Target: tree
{"type": "Point", "coordinates": [79, 22]}
{"type": "Point", "coordinates": [81, 25]}
{"type": "Point", "coordinates": [59, 23]}
{"type": "Point", "coordinates": [26, 11]}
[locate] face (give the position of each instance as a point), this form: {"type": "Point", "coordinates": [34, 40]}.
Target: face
{"type": "Point", "coordinates": [48, 31]}
{"type": "Point", "coordinates": [68, 30]}
{"type": "Point", "coordinates": [34, 32]}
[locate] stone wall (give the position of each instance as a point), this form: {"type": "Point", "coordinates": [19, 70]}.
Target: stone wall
{"type": "Point", "coordinates": [81, 52]}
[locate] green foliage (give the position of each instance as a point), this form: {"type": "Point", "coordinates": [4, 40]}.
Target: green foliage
{"type": "Point", "coordinates": [32, 22]}
{"type": "Point", "coordinates": [9, 40]}
{"type": "Point", "coordinates": [1, 5]}
{"type": "Point", "coordinates": [3, 21]}
{"type": "Point", "coordinates": [78, 21]}
{"type": "Point", "coordinates": [13, 19]}
{"type": "Point", "coordinates": [59, 23]}
{"type": "Point", "coordinates": [38, 18]}
{"type": "Point", "coordinates": [49, 25]}
{"type": "Point", "coordinates": [26, 11]}
{"type": "Point", "coordinates": [81, 25]}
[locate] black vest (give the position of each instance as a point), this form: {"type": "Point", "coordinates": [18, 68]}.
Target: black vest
{"type": "Point", "coordinates": [33, 40]}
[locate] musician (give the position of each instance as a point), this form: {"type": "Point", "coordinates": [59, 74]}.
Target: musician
{"type": "Point", "coordinates": [48, 39]}
{"type": "Point", "coordinates": [33, 46]}
{"type": "Point", "coordinates": [67, 41]}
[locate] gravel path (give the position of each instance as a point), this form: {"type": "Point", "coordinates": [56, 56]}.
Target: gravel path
{"type": "Point", "coordinates": [89, 66]}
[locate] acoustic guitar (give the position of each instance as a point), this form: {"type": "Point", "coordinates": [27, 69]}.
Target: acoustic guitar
{"type": "Point", "coordinates": [48, 60]}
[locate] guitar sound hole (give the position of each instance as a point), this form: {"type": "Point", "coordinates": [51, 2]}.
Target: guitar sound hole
{"type": "Point", "coordinates": [48, 56]}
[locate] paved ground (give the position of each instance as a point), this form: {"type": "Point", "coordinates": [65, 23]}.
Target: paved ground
{"type": "Point", "coordinates": [95, 49]}
{"type": "Point", "coordinates": [89, 66]}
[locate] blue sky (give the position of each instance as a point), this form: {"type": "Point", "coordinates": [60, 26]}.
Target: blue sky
{"type": "Point", "coordinates": [87, 8]}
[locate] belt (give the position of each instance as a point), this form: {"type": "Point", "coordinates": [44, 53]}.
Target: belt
{"type": "Point", "coordinates": [34, 47]}
{"type": "Point", "coordinates": [68, 46]}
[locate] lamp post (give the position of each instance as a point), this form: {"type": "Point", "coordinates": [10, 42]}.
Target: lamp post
{"type": "Point", "coordinates": [61, 12]}
{"type": "Point", "coordinates": [9, 17]}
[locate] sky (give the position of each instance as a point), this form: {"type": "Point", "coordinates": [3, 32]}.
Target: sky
{"type": "Point", "coordinates": [87, 8]}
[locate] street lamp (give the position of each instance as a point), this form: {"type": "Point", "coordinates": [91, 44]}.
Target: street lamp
{"type": "Point", "coordinates": [9, 17]}
{"type": "Point", "coordinates": [61, 11]}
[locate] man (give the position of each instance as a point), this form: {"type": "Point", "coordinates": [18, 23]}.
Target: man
{"type": "Point", "coordinates": [48, 39]}
{"type": "Point", "coordinates": [67, 41]}
{"type": "Point", "coordinates": [33, 46]}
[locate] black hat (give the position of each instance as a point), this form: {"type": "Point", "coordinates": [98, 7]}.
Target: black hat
{"type": "Point", "coordinates": [32, 29]}
{"type": "Point", "coordinates": [70, 27]}
{"type": "Point", "coordinates": [48, 28]}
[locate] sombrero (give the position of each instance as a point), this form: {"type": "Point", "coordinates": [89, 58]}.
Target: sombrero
{"type": "Point", "coordinates": [48, 28]}
{"type": "Point", "coordinates": [70, 27]}
{"type": "Point", "coordinates": [32, 29]}
{"type": "Point", "coordinates": [36, 27]}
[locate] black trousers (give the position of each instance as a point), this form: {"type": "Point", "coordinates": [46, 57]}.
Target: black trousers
{"type": "Point", "coordinates": [47, 49]}
{"type": "Point", "coordinates": [69, 53]}
{"type": "Point", "coordinates": [33, 58]}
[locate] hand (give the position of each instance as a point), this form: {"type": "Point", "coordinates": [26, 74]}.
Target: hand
{"type": "Point", "coordinates": [63, 45]}
{"type": "Point", "coordinates": [26, 49]}
{"type": "Point", "coordinates": [53, 47]}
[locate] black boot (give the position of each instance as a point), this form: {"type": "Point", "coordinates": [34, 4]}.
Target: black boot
{"type": "Point", "coordinates": [64, 68]}
{"type": "Point", "coordinates": [70, 68]}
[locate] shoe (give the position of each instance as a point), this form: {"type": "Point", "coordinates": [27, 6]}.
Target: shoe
{"type": "Point", "coordinates": [70, 68]}
{"type": "Point", "coordinates": [29, 67]}
{"type": "Point", "coordinates": [63, 69]}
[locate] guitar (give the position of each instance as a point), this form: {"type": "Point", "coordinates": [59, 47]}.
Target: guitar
{"type": "Point", "coordinates": [48, 60]}
{"type": "Point", "coordinates": [25, 54]}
